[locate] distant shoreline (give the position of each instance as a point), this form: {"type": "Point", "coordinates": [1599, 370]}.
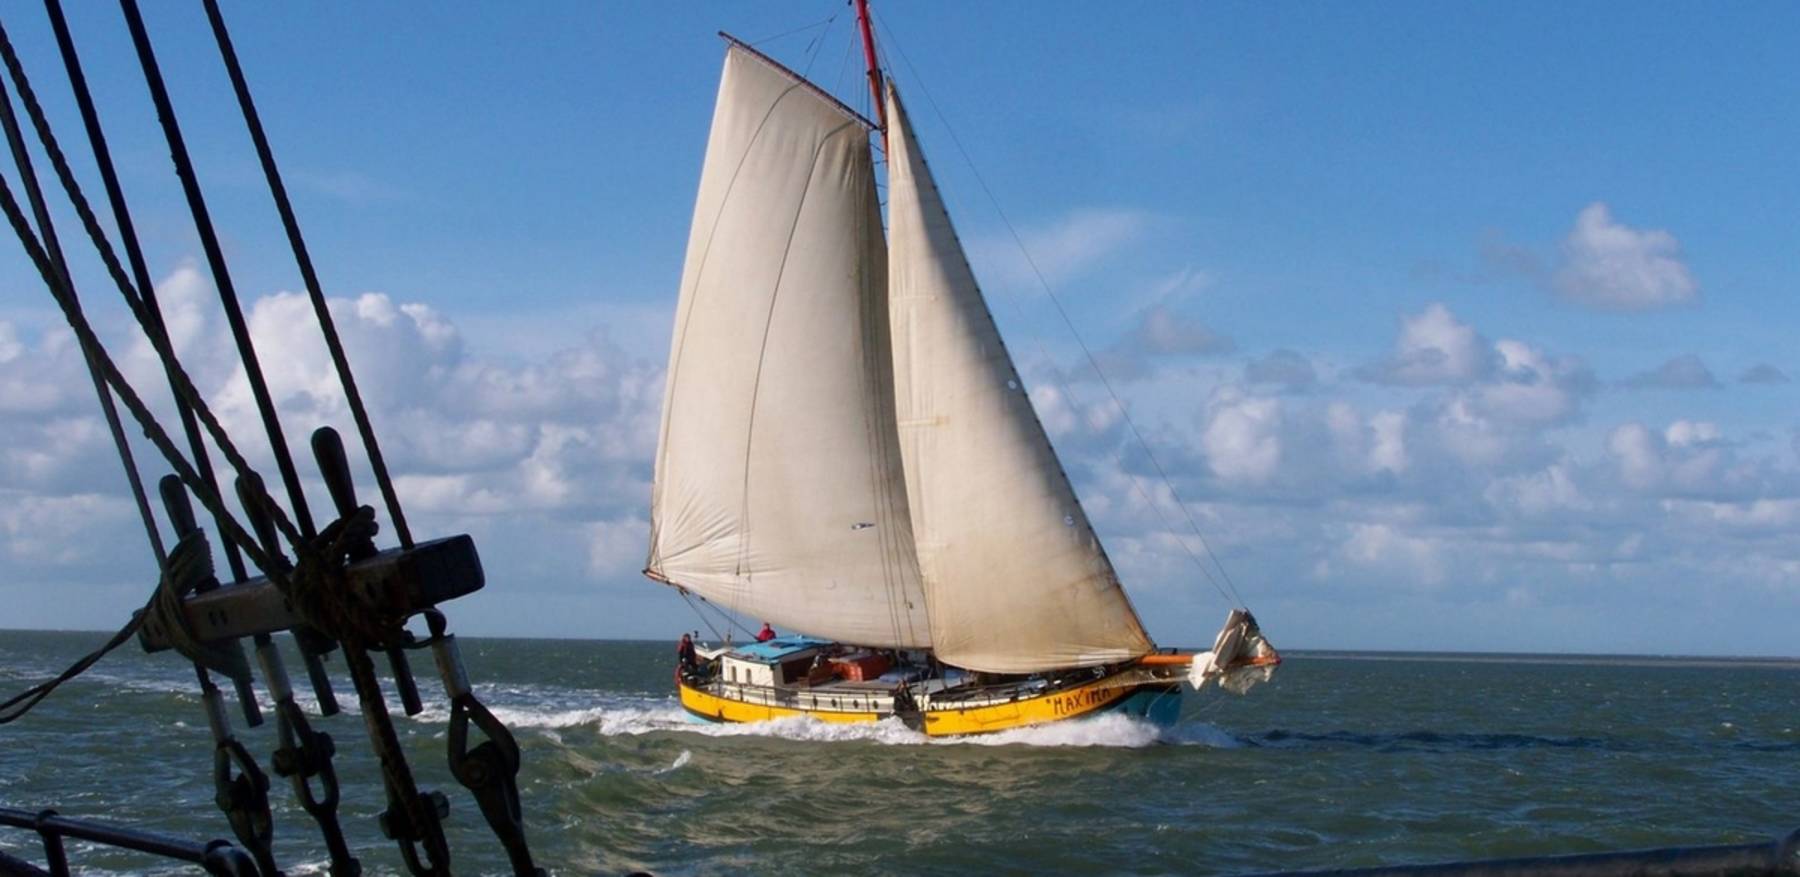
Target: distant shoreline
{"type": "Point", "coordinates": [1595, 659]}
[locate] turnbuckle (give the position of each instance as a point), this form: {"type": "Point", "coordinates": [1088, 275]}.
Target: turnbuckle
{"type": "Point", "coordinates": [244, 798]}
{"type": "Point", "coordinates": [490, 771]}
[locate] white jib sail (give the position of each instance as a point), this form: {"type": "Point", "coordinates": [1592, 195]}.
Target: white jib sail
{"type": "Point", "coordinates": [779, 489]}
{"type": "Point", "coordinates": [1014, 576]}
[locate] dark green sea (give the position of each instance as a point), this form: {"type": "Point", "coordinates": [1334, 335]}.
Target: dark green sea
{"type": "Point", "coordinates": [1342, 760]}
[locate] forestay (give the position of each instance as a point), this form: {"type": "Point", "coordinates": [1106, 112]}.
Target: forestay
{"type": "Point", "coordinates": [1016, 580]}
{"type": "Point", "coordinates": [779, 490]}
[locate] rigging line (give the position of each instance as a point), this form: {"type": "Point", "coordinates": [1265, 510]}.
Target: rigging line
{"type": "Point", "coordinates": [698, 613]}
{"type": "Point", "coordinates": [47, 230]}
{"type": "Point", "coordinates": [215, 258]}
{"type": "Point", "coordinates": [54, 269]}
{"type": "Point", "coordinates": [156, 328]}
{"type": "Point", "coordinates": [358, 411]}
{"type": "Point", "coordinates": [84, 334]}
{"type": "Point", "coordinates": [816, 46]}
{"type": "Point", "coordinates": [14, 708]}
{"type": "Point", "coordinates": [1094, 363]}
{"type": "Point", "coordinates": [801, 29]}
{"type": "Point", "coordinates": [843, 66]}
{"type": "Point", "coordinates": [880, 112]}
{"type": "Point", "coordinates": [115, 193]}
{"type": "Point", "coordinates": [729, 618]}
{"type": "Point", "coordinates": [58, 263]}
{"type": "Point", "coordinates": [182, 385]}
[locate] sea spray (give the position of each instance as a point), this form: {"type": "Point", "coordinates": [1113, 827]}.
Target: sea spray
{"type": "Point", "coordinates": [686, 756]}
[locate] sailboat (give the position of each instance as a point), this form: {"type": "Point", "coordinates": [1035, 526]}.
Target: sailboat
{"type": "Point", "coordinates": [847, 451]}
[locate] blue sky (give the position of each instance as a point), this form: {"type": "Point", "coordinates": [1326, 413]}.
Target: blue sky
{"type": "Point", "coordinates": [1437, 314]}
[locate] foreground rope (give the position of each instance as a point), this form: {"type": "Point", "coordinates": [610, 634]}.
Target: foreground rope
{"type": "Point", "coordinates": [190, 568]}
{"type": "Point", "coordinates": [189, 564]}
{"type": "Point", "coordinates": [18, 705]}
{"type": "Point", "coordinates": [323, 599]}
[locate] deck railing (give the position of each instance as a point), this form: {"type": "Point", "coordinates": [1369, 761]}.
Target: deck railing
{"type": "Point", "coordinates": [216, 857]}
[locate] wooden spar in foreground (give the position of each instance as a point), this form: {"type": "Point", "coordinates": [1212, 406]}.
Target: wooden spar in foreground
{"type": "Point", "coordinates": [402, 580]}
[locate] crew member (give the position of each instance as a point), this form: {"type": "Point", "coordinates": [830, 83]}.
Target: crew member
{"type": "Point", "coordinates": [766, 634]}
{"type": "Point", "coordinates": [903, 698]}
{"type": "Point", "coordinates": [690, 661]}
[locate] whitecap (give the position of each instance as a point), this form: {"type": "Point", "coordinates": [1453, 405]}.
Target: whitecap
{"type": "Point", "coordinates": [1115, 730]}
{"type": "Point", "coordinates": [683, 758]}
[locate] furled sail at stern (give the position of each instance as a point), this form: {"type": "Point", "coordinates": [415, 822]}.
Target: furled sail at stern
{"type": "Point", "coordinates": [1014, 576]}
{"type": "Point", "coordinates": [779, 490]}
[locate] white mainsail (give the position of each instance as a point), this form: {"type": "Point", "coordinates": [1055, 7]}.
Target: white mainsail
{"type": "Point", "coordinates": [1015, 579]}
{"type": "Point", "coordinates": [779, 490]}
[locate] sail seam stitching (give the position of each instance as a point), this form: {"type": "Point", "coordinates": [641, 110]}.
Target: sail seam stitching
{"type": "Point", "coordinates": [681, 352]}
{"type": "Point", "coordinates": [763, 346]}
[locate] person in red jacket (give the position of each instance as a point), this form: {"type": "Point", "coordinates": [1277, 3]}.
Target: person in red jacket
{"type": "Point", "coordinates": [766, 634]}
{"type": "Point", "coordinates": [684, 651]}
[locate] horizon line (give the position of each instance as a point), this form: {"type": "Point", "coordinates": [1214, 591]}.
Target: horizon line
{"type": "Point", "coordinates": [1310, 652]}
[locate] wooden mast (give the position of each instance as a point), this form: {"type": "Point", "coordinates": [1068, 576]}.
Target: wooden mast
{"type": "Point", "coordinates": [868, 36]}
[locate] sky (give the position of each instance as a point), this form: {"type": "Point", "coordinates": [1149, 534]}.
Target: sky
{"type": "Point", "coordinates": [1455, 326]}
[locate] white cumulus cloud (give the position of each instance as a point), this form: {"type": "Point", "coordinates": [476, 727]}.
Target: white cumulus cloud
{"type": "Point", "coordinates": [1609, 265]}
{"type": "Point", "coordinates": [515, 452]}
{"type": "Point", "coordinates": [1433, 347]}
{"type": "Point", "coordinates": [1242, 437]}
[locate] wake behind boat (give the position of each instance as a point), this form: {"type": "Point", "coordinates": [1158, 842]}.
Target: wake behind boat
{"type": "Point", "coordinates": [847, 450]}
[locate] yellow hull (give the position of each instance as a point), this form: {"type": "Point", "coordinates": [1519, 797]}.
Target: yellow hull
{"type": "Point", "coordinates": [948, 721]}
{"type": "Point", "coordinates": [718, 709]}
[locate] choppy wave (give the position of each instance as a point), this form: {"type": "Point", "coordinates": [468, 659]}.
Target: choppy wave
{"type": "Point", "coordinates": [686, 756]}
{"type": "Point", "coordinates": [1383, 761]}
{"type": "Point", "coordinates": [1419, 741]}
{"type": "Point", "coordinates": [180, 683]}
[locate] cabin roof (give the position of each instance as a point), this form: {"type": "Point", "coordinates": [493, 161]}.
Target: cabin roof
{"type": "Point", "coordinates": [777, 648]}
